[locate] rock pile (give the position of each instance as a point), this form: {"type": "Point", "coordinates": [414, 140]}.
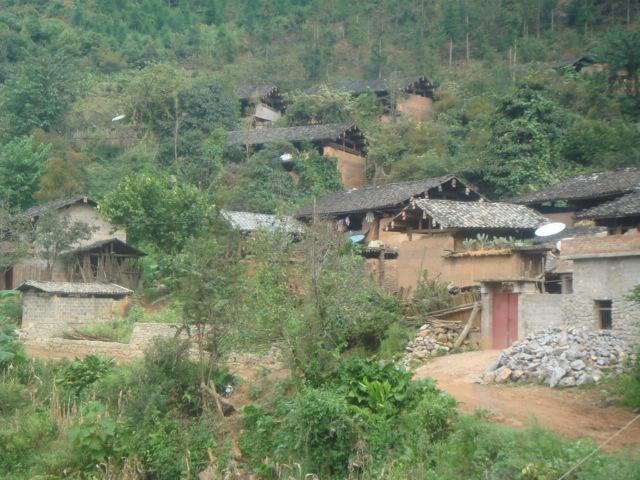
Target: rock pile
{"type": "Point", "coordinates": [563, 357]}
{"type": "Point", "coordinates": [434, 338]}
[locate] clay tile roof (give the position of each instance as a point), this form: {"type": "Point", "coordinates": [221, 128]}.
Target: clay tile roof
{"type": "Point", "coordinates": [75, 288]}
{"type": "Point", "coordinates": [250, 222]}
{"type": "Point", "coordinates": [306, 133]}
{"type": "Point", "coordinates": [626, 206]}
{"type": "Point", "coordinates": [247, 92]}
{"type": "Point", "coordinates": [590, 185]}
{"type": "Point", "coordinates": [57, 205]}
{"type": "Point", "coordinates": [480, 215]}
{"type": "Point", "coordinates": [364, 199]}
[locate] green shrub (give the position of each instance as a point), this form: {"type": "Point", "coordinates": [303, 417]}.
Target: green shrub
{"type": "Point", "coordinates": [11, 349]}
{"type": "Point", "coordinates": [22, 439]}
{"type": "Point", "coordinates": [94, 435]}
{"type": "Point", "coordinates": [395, 341]}
{"type": "Point", "coordinates": [11, 396]}
{"type": "Point", "coordinates": [319, 432]}
{"type": "Point", "coordinates": [83, 373]}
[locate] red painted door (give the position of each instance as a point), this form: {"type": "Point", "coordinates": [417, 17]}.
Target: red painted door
{"type": "Point", "coordinates": [505, 319]}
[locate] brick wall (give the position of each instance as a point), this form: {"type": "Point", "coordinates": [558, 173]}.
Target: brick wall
{"type": "Point", "coordinates": [600, 245]}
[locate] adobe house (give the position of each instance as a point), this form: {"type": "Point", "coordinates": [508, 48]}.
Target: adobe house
{"type": "Point", "coordinates": [51, 308]}
{"type": "Point", "coordinates": [414, 94]}
{"type": "Point", "coordinates": [105, 256]}
{"type": "Point", "coordinates": [445, 238]}
{"type": "Point", "coordinates": [261, 105]}
{"type": "Point", "coordinates": [563, 201]}
{"type": "Point", "coordinates": [604, 268]}
{"type": "Point", "coordinates": [369, 210]}
{"type": "Point", "coordinates": [341, 140]}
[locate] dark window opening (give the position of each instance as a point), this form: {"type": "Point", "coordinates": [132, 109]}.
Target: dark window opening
{"type": "Point", "coordinates": [603, 311]}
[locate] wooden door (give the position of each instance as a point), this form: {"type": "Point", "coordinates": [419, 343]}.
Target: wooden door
{"type": "Point", "coordinates": [505, 319]}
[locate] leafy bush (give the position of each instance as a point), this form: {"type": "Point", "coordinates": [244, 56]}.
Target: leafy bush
{"type": "Point", "coordinates": [82, 374]}
{"type": "Point", "coordinates": [94, 435]}
{"type": "Point", "coordinates": [395, 340]}
{"type": "Point", "coordinates": [11, 349]}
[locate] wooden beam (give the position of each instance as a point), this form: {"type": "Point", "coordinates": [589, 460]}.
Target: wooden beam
{"type": "Point", "coordinates": [467, 327]}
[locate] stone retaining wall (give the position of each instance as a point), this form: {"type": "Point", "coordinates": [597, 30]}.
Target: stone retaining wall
{"type": "Point", "coordinates": [141, 337]}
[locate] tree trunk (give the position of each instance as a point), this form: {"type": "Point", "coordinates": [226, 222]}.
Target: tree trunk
{"type": "Point", "coordinates": [450, 50]}
{"type": "Point", "coordinates": [175, 133]}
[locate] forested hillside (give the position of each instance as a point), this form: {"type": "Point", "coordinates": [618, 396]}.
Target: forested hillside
{"type": "Point", "coordinates": [509, 117]}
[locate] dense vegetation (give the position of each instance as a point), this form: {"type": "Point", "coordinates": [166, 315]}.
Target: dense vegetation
{"type": "Point", "coordinates": [510, 115]}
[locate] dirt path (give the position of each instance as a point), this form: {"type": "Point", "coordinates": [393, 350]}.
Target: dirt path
{"type": "Point", "coordinates": [572, 413]}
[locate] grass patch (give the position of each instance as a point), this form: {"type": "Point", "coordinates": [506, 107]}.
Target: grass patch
{"type": "Point", "coordinates": [118, 330]}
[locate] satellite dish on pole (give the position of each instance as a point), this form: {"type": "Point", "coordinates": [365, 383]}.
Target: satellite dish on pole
{"type": "Point", "coordinates": [550, 229]}
{"type": "Point", "coordinates": [117, 118]}
{"type": "Point", "coordinates": [287, 161]}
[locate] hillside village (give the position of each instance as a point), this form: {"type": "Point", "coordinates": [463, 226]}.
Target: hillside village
{"type": "Point", "coordinates": [319, 240]}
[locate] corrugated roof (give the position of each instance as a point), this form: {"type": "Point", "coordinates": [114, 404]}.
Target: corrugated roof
{"type": "Point", "coordinates": [364, 199]}
{"type": "Point", "coordinates": [119, 247]}
{"type": "Point", "coordinates": [306, 133]}
{"type": "Point", "coordinates": [591, 185]}
{"type": "Point", "coordinates": [57, 205]}
{"type": "Point", "coordinates": [626, 206]}
{"type": "Point", "coordinates": [480, 215]}
{"type": "Point", "coordinates": [247, 92]}
{"type": "Point", "coordinates": [75, 288]}
{"type": "Point", "coordinates": [250, 222]}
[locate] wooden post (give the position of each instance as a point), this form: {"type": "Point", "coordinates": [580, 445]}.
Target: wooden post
{"type": "Point", "coordinates": [467, 327]}
{"type": "Point", "coordinates": [381, 268]}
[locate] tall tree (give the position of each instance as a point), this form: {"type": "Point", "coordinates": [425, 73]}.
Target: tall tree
{"type": "Point", "coordinates": [21, 168]}
{"type": "Point", "coordinates": [38, 94]}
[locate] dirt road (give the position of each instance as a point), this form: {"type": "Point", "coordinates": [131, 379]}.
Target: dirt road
{"type": "Point", "coordinates": [572, 413]}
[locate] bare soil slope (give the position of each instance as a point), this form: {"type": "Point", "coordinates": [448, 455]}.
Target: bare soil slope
{"type": "Point", "coordinates": [572, 413]}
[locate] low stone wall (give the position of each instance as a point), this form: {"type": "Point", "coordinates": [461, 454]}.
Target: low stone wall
{"type": "Point", "coordinates": [141, 337]}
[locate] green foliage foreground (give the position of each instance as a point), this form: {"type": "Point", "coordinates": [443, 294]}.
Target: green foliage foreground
{"type": "Point", "coordinates": [91, 419]}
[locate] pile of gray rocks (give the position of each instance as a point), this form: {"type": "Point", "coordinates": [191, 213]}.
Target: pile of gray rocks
{"type": "Point", "coordinates": [563, 357]}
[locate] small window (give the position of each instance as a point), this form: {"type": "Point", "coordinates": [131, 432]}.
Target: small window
{"type": "Point", "coordinates": [603, 314]}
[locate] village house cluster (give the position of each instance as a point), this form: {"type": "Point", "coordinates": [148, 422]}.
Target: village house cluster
{"type": "Point", "coordinates": [441, 227]}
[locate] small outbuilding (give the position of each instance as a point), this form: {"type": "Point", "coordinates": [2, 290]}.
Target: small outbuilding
{"type": "Point", "coordinates": [51, 308]}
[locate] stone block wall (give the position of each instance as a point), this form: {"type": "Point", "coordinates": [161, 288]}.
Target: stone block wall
{"type": "Point", "coordinates": [537, 312]}
{"type": "Point", "coordinates": [604, 278]}
{"type": "Point", "coordinates": [45, 315]}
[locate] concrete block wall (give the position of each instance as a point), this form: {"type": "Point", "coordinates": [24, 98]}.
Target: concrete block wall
{"type": "Point", "coordinates": [45, 315]}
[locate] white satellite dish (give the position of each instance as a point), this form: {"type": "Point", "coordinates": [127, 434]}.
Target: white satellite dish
{"type": "Point", "coordinates": [287, 161]}
{"type": "Point", "coordinates": [118, 118]}
{"type": "Point", "coordinates": [550, 229]}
